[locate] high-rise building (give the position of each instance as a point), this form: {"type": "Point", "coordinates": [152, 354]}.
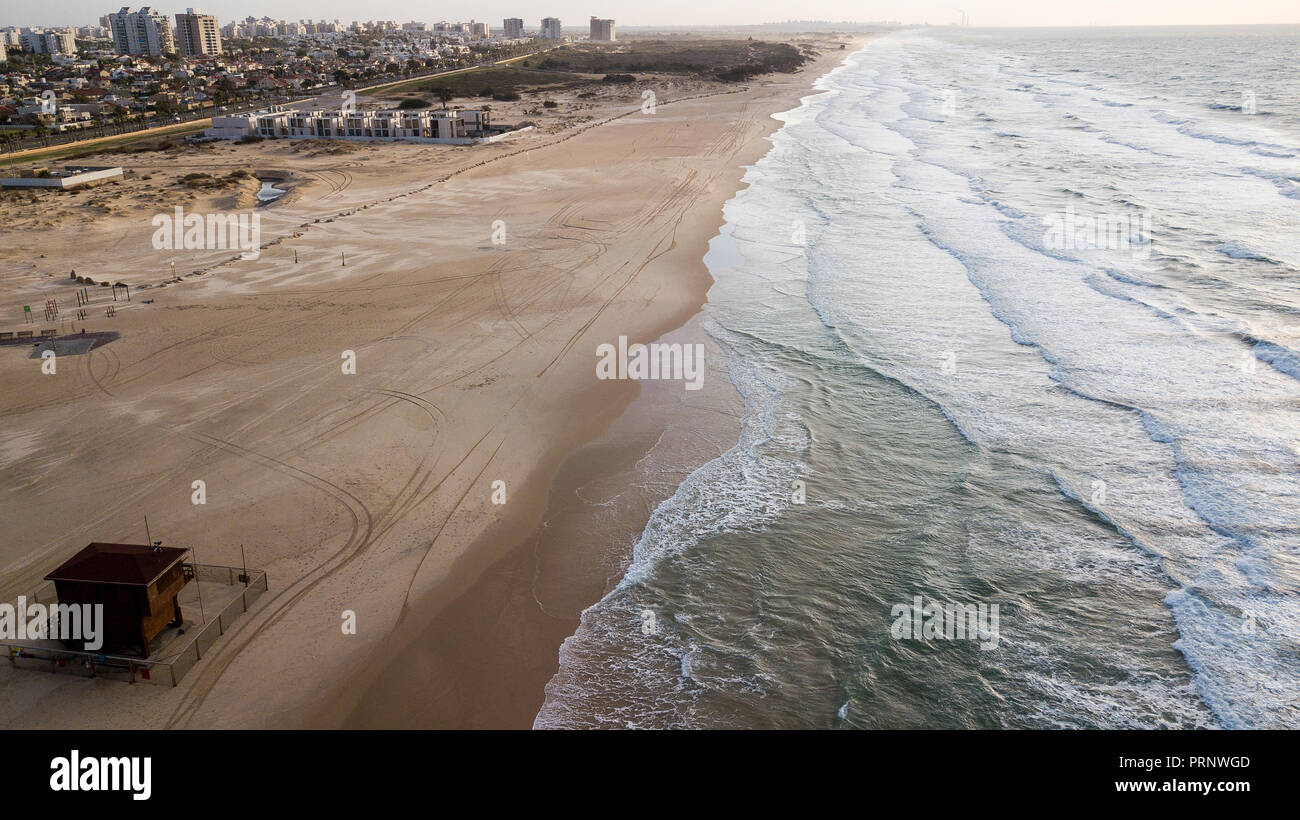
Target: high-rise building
{"type": "Point", "coordinates": [478, 29]}
{"type": "Point", "coordinates": [514, 27]}
{"type": "Point", "coordinates": [551, 29]}
{"type": "Point", "coordinates": [602, 30]}
{"type": "Point", "coordinates": [49, 41]}
{"type": "Point", "coordinates": [141, 32]}
{"type": "Point", "coordinates": [197, 34]}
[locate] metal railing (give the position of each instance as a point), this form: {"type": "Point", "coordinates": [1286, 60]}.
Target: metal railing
{"type": "Point", "coordinates": [166, 672]}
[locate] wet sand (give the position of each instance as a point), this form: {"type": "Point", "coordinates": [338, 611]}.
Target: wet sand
{"type": "Point", "coordinates": [372, 493]}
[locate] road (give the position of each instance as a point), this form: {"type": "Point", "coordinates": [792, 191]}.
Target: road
{"type": "Point", "coordinates": [193, 126]}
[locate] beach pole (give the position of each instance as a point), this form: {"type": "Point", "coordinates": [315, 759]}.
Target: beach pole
{"type": "Point", "coordinates": [198, 586]}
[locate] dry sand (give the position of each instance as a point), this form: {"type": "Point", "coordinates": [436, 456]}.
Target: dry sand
{"type": "Point", "coordinates": [372, 492]}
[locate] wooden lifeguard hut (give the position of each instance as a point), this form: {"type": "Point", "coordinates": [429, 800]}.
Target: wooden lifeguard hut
{"type": "Point", "coordinates": [137, 585]}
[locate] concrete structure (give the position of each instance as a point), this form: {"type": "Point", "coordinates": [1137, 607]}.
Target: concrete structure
{"type": "Point", "coordinates": [602, 30]}
{"type": "Point", "coordinates": [450, 126]}
{"type": "Point", "coordinates": [141, 32]}
{"type": "Point", "coordinates": [514, 27]}
{"type": "Point", "coordinates": [69, 177]}
{"type": "Point", "coordinates": [551, 29]}
{"type": "Point", "coordinates": [197, 34]}
{"type": "Point", "coordinates": [49, 41]}
{"type": "Point", "coordinates": [478, 29]}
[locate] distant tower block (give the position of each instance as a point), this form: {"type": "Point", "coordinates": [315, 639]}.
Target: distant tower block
{"type": "Point", "coordinates": [602, 30]}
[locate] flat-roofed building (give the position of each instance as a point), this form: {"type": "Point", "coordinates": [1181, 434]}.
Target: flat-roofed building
{"type": "Point", "coordinates": [197, 34]}
{"type": "Point", "coordinates": [141, 32]}
{"type": "Point", "coordinates": [551, 29]}
{"type": "Point", "coordinates": [73, 176]}
{"type": "Point", "coordinates": [444, 125]}
{"type": "Point", "coordinates": [49, 41]}
{"type": "Point", "coordinates": [602, 30]}
{"type": "Point", "coordinates": [514, 27]}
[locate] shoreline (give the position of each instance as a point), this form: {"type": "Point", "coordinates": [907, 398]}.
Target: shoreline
{"type": "Point", "coordinates": [370, 493]}
{"type": "Point", "coordinates": [454, 671]}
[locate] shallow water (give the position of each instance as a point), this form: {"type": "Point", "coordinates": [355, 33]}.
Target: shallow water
{"type": "Point", "coordinates": [1100, 435]}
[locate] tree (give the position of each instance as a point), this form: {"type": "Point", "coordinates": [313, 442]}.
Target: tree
{"type": "Point", "coordinates": [341, 76]}
{"type": "Point", "coordinates": [444, 95]}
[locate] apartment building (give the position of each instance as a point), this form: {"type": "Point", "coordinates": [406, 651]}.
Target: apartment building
{"type": "Point", "coordinates": [146, 31]}
{"type": "Point", "coordinates": [551, 29]}
{"type": "Point", "coordinates": [602, 30]}
{"type": "Point", "coordinates": [197, 34]}
{"type": "Point", "coordinates": [49, 41]}
{"type": "Point", "coordinates": [514, 27]}
{"type": "Point", "coordinates": [424, 125]}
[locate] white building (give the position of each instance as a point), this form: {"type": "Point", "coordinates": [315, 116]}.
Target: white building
{"type": "Point", "coordinates": [141, 32]}
{"type": "Point", "coordinates": [551, 29]}
{"type": "Point", "coordinates": [69, 177]}
{"type": "Point", "coordinates": [49, 41]}
{"type": "Point", "coordinates": [439, 125]}
{"type": "Point", "coordinates": [514, 27]}
{"type": "Point", "coordinates": [478, 29]}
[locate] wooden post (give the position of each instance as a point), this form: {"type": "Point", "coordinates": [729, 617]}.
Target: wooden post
{"type": "Point", "coordinates": [203, 618]}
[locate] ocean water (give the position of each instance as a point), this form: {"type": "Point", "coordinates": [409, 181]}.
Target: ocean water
{"type": "Point", "coordinates": [1097, 432]}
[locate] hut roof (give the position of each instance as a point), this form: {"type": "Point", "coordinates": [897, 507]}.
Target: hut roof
{"type": "Point", "coordinates": [123, 564]}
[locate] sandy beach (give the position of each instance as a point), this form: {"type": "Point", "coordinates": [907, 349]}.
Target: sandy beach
{"type": "Point", "coordinates": [472, 287]}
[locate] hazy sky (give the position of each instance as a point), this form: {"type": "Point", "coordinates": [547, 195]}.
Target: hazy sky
{"type": "Point", "coordinates": [574, 13]}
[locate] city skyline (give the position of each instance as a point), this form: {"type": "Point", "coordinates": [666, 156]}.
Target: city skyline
{"type": "Point", "coordinates": [980, 13]}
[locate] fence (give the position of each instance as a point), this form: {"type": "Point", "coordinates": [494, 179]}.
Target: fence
{"type": "Point", "coordinates": [167, 672]}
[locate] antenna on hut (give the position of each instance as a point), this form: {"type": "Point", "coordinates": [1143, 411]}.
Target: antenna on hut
{"type": "Point", "coordinates": [147, 537]}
